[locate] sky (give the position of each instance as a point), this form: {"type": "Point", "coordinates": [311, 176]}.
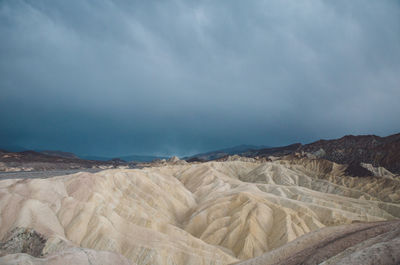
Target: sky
{"type": "Point", "coordinates": [157, 77]}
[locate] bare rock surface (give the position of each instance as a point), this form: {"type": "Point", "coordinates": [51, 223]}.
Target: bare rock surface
{"type": "Point", "coordinates": [22, 240]}
{"type": "Point", "coordinates": [372, 149]}
{"type": "Point", "coordinates": [206, 213]}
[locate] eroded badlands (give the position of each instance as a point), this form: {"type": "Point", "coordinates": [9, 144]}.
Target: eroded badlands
{"type": "Point", "coordinates": [207, 213]}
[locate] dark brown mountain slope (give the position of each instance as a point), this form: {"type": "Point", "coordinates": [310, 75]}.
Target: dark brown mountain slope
{"type": "Point", "coordinates": [274, 151]}
{"type": "Point", "coordinates": [350, 149]}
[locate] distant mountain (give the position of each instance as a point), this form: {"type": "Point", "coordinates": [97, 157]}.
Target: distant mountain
{"type": "Point", "coordinates": [242, 148]}
{"type": "Point", "coordinates": [272, 151]}
{"type": "Point", "coordinates": [141, 158]}
{"type": "Point", "coordinates": [37, 161]}
{"type": "Point", "coordinates": [212, 155]}
{"type": "Point", "coordinates": [351, 150]}
{"type": "Point", "coordinates": [128, 158]}
{"type": "Point", "coordinates": [32, 156]}
{"type": "Point", "coordinates": [96, 158]}
{"type": "Point", "coordinates": [58, 154]}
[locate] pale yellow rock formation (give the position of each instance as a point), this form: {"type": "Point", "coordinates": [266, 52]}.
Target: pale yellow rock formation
{"type": "Point", "coordinates": [208, 213]}
{"type": "Point", "coordinates": [378, 171]}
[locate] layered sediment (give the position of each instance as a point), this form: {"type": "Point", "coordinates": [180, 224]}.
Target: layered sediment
{"type": "Point", "coordinates": [206, 213]}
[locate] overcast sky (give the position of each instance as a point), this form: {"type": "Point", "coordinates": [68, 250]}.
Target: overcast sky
{"type": "Point", "coordinates": [178, 77]}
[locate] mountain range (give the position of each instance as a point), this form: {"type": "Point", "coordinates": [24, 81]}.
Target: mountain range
{"type": "Point", "coordinates": [351, 150]}
{"type": "Point", "coordinates": [212, 155]}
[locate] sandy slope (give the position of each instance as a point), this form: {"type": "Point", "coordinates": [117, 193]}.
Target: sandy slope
{"type": "Point", "coordinates": [210, 213]}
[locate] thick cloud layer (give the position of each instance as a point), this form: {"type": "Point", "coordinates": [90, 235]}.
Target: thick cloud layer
{"type": "Point", "coordinates": [162, 77]}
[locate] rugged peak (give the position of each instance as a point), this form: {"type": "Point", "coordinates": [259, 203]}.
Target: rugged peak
{"type": "Point", "coordinates": [353, 150]}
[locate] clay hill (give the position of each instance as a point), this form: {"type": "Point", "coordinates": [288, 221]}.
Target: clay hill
{"type": "Point", "coordinates": [293, 210]}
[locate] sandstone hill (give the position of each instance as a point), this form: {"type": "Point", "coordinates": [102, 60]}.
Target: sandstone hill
{"type": "Point", "coordinates": [203, 213]}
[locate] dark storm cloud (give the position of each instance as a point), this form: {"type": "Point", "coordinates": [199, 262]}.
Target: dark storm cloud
{"type": "Point", "coordinates": [112, 77]}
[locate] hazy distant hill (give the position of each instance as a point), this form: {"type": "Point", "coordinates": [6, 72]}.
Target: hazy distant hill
{"type": "Point", "coordinates": [58, 153]}
{"type": "Point", "coordinates": [128, 158]}
{"type": "Point", "coordinates": [141, 158]}
{"type": "Point", "coordinates": [212, 155]}
{"type": "Point", "coordinates": [36, 161]}
{"type": "Point", "coordinates": [94, 157]}
{"type": "Point", "coordinates": [272, 151]}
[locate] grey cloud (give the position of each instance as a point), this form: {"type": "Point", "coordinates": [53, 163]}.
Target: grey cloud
{"type": "Point", "coordinates": [163, 77]}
